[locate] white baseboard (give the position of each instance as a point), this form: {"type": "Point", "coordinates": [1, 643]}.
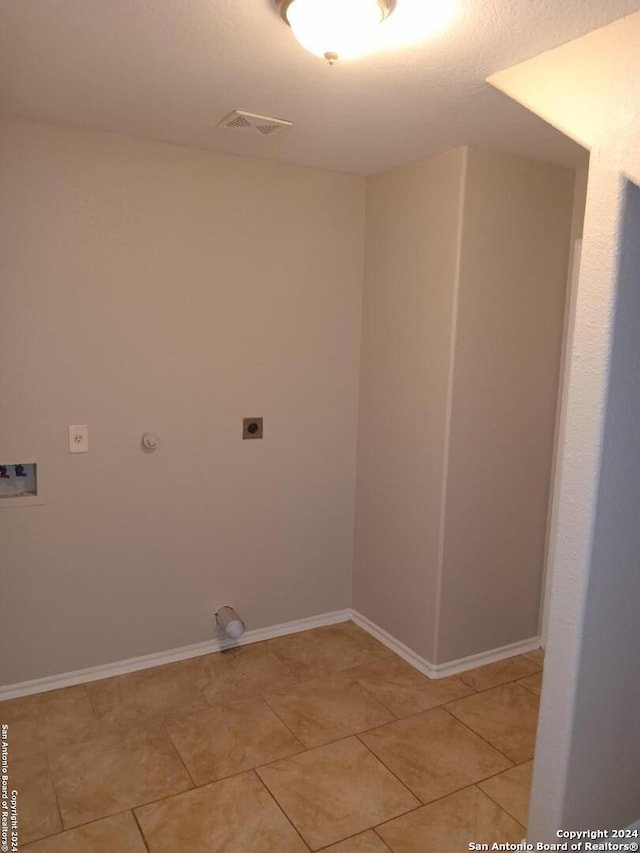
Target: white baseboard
{"type": "Point", "coordinates": [420, 663]}
{"type": "Point", "coordinates": [442, 670]}
{"type": "Point", "coordinates": [94, 673]}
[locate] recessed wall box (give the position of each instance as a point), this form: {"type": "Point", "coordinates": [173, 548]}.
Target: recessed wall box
{"type": "Point", "coordinates": [20, 483]}
{"type": "Point", "coordinates": [252, 428]}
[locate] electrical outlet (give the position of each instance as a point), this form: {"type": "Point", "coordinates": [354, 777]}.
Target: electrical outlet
{"type": "Point", "coordinates": [78, 438]}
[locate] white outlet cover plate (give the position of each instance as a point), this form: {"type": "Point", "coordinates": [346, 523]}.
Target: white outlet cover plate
{"type": "Point", "coordinates": [78, 438]}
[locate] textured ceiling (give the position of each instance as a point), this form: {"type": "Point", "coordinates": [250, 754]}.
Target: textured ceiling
{"type": "Point", "coordinates": [171, 69]}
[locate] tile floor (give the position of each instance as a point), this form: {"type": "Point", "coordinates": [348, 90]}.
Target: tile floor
{"type": "Point", "coordinates": [323, 740]}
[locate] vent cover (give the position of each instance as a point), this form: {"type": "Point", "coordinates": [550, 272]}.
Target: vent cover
{"type": "Point", "coordinates": [252, 123]}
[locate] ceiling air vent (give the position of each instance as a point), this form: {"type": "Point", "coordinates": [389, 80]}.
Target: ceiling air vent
{"type": "Point", "coordinates": [251, 123]}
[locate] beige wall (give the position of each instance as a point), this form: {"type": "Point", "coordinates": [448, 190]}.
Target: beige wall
{"type": "Point", "coordinates": [412, 237]}
{"type": "Point", "coordinates": [515, 249]}
{"type": "Point", "coordinates": [465, 284]}
{"type": "Point", "coordinates": [154, 287]}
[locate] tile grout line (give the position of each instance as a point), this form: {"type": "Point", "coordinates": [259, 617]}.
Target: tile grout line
{"type": "Point", "coordinates": [291, 732]}
{"type": "Point", "coordinates": [488, 742]}
{"type": "Point", "coordinates": [142, 835]}
{"type": "Point", "coordinates": [90, 701]}
{"type": "Point", "coordinates": [254, 770]}
{"type": "Point", "coordinates": [479, 693]}
{"type": "Point", "coordinates": [55, 792]}
{"type": "Point", "coordinates": [375, 829]}
{"type": "Point", "coordinates": [345, 738]}
{"type": "Point", "coordinates": [180, 758]}
{"type": "Point", "coordinates": [393, 773]}
{"type": "Point", "coordinates": [437, 799]}
{"type": "Point", "coordinates": [355, 835]}
{"type": "Point", "coordinates": [340, 737]}
{"type": "Point", "coordinates": [426, 711]}
{"type": "Point", "coordinates": [279, 659]}
{"type": "Point", "coordinates": [460, 676]}
{"type": "Point", "coordinates": [524, 687]}
{"type": "Point", "coordinates": [476, 692]}
{"type": "Point", "coordinates": [132, 808]}
{"type": "Point", "coordinates": [281, 808]}
{"type": "Point", "coordinates": [504, 808]}
{"type": "Point", "coordinates": [47, 758]}
{"type": "Point", "coordinates": [90, 822]}
{"type": "Point", "coordinates": [513, 763]}
{"type": "Point", "coordinates": [522, 826]}
{"type": "Point", "coordinates": [386, 707]}
{"type": "Point", "coordinates": [213, 781]}
{"type": "Point", "coordinates": [209, 672]}
{"type": "Point", "coordinates": [396, 719]}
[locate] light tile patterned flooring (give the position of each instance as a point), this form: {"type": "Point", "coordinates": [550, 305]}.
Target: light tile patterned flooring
{"type": "Point", "coordinates": [323, 740]}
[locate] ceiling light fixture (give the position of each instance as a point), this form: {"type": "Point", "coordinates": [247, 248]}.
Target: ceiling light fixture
{"type": "Point", "coordinates": [335, 29]}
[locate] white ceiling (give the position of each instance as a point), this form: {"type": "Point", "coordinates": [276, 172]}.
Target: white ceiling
{"type": "Point", "coordinates": [171, 69]}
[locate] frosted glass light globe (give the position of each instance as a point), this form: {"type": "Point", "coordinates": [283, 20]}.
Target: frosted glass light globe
{"type": "Point", "coordinates": [334, 29]}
